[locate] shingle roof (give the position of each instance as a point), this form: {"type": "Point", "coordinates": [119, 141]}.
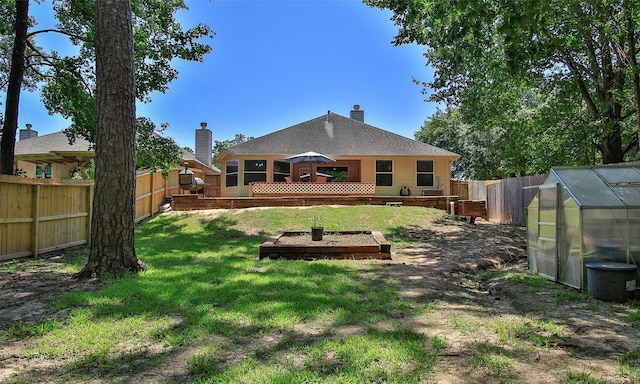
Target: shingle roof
{"type": "Point", "coordinates": [339, 136]}
{"type": "Point", "coordinates": [53, 142]}
{"type": "Point", "coordinates": [57, 144]}
{"type": "Point", "coordinates": [191, 158]}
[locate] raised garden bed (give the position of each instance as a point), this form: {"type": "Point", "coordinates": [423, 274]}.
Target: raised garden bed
{"type": "Point", "coordinates": [334, 245]}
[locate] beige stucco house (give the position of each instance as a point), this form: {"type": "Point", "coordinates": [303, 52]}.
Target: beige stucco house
{"type": "Point", "coordinates": [363, 154]}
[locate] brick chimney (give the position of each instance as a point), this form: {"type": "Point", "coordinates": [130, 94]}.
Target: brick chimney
{"type": "Point", "coordinates": [357, 113]}
{"type": "Point", "coordinates": [27, 133]}
{"type": "Point", "coordinates": [204, 144]}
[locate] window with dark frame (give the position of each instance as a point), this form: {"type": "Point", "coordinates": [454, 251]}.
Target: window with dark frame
{"type": "Point", "coordinates": [425, 173]}
{"type": "Point", "coordinates": [281, 170]}
{"type": "Point", "coordinates": [384, 173]}
{"type": "Point", "coordinates": [231, 173]}
{"type": "Point", "coordinates": [255, 170]}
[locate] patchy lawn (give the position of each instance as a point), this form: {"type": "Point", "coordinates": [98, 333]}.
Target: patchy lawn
{"type": "Point", "coordinates": [456, 304]}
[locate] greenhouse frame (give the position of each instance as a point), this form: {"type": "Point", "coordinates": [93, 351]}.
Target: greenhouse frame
{"type": "Point", "coordinates": [582, 215]}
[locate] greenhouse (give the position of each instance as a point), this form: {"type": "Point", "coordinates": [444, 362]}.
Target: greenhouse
{"type": "Point", "coordinates": [584, 215]}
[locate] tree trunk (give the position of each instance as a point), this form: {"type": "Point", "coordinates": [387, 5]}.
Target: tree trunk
{"type": "Point", "coordinates": [10, 126]}
{"type": "Point", "coordinates": [112, 225]}
{"type": "Point", "coordinates": [611, 147]}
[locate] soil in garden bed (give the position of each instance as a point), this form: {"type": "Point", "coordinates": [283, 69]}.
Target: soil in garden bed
{"type": "Point", "coordinates": [329, 238]}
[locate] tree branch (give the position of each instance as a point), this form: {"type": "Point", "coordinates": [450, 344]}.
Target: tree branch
{"type": "Point", "coordinates": [60, 32]}
{"type": "Point", "coordinates": [48, 60]}
{"type": "Point", "coordinates": [571, 65]}
{"type": "Point", "coordinates": [34, 68]}
{"type": "Point", "coordinates": [627, 115]}
{"type": "Point", "coordinates": [45, 58]}
{"type": "Point", "coordinates": [591, 51]}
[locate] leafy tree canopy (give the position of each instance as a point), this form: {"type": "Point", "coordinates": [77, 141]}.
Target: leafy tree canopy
{"type": "Point", "coordinates": [67, 82]}
{"type": "Point", "coordinates": [154, 151]}
{"type": "Point", "coordinates": [491, 56]}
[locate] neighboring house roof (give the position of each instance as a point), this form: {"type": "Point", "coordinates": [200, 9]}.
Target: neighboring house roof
{"type": "Point", "coordinates": [338, 136]}
{"type": "Point", "coordinates": [191, 159]}
{"type": "Point", "coordinates": [55, 147]}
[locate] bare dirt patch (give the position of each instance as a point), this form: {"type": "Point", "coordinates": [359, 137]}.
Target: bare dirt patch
{"type": "Point", "coordinates": [447, 265]}
{"type": "Point", "coordinates": [450, 265]}
{"type": "Point", "coordinates": [25, 289]}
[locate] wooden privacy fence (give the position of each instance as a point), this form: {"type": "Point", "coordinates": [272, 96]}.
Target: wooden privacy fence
{"type": "Point", "coordinates": [506, 199]}
{"type": "Point", "coordinates": [150, 194]}
{"type": "Point", "coordinates": [460, 189]}
{"type": "Point", "coordinates": [44, 215]}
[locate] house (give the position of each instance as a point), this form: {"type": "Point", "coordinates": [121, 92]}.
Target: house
{"type": "Point", "coordinates": [363, 154]}
{"type": "Point", "coordinates": [52, 156]}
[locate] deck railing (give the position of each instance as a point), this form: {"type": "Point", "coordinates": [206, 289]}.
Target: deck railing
{"type": "Point", "coordinates": [313, 189]}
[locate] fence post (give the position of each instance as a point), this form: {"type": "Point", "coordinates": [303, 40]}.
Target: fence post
{"type": "Point", "coordinates": [90, 191]}
{"type": "Point", "coordinates": [35, 214]}
{"type": "Point", "coordinates": [153, 191]}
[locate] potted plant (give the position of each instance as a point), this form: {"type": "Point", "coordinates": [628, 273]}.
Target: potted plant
{"type": "Point", "coordinates": [317, 230]}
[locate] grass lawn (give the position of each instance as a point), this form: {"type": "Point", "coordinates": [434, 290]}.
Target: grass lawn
{"type": "Point", "coordinates": [241, 320]}
{"type": "Point", "coordinates": [456, 305]}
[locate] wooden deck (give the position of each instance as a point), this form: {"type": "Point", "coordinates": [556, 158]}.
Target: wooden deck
{"type": "Point", "coordinates": [462, 208]}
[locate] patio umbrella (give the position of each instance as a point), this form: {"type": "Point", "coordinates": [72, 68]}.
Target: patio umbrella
{"type": "Point", "coordinates": [309, 157]}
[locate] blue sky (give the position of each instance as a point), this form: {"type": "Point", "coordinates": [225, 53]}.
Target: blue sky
{"type": "Point", "coordinates": [276, 63]}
